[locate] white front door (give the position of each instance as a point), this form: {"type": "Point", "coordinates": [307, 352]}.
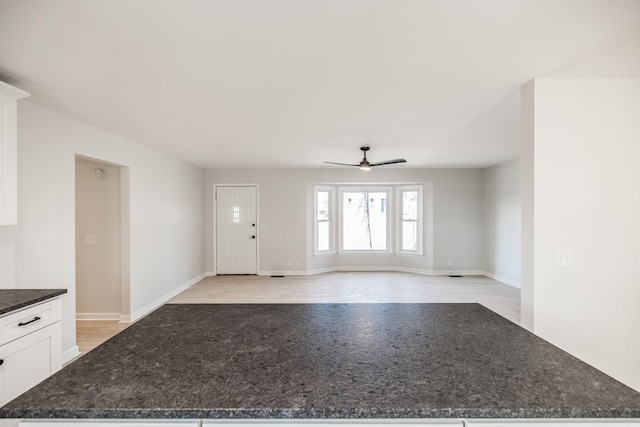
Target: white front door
{"type": "Point", "coordinates": [236, 230]}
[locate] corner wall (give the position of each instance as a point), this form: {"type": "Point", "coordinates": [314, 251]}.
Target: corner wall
{"type": "Point", "coordinates": [502, 224]}
{"type": "Point", "coordinates": [585, 173]}
{"type": "Point", "coordinates": [166, 198]}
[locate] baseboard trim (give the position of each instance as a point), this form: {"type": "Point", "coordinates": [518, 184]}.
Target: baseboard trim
{"type": "Point", "coordinates": [98, 316]}
{"type": "Point", "coordinates": [138, 314]}
{"type": "Point", "coordinates": [283, 273]}
{"type": "Point", "coordinates": [320, 271]}
{"type": "Point", "coordinates": [70, 354]}
{"type": "Point", "coordinates": [502, 279]}
{"type": "Point", "coordinates": [370, 268]}
{"type": "Point", "coordinates": [458, 273]}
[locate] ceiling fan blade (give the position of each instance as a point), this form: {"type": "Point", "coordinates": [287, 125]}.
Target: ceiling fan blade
{"type": "Point", "coordinates": [341, 164]}
{"type": "Point", "coordinates": [389, 162]}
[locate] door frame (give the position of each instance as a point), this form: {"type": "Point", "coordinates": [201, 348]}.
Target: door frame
{"type": "Point", "coordinates": [214, 243]}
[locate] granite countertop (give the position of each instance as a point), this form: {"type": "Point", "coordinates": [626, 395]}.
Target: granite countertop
{"type": "Point", "coordinates": [326, 361]}
{"type": "Point", "coordinates": [15, 299]}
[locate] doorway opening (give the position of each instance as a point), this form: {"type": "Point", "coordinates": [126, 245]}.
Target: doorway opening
{"type": "Point", "coordinates": [102, 241]}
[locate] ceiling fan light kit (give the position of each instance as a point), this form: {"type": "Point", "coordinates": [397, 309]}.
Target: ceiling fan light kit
{"type": "Point", "coordinates": [364, 165]}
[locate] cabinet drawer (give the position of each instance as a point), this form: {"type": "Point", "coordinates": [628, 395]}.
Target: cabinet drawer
{"type": "Point", "coordinates": [32, 318]}
{"type": "Point", "coordinates": [29, 360]}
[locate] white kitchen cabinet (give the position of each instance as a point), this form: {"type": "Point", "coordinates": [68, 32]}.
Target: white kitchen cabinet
{"type": "Point", "coordinates": [572, 422]}
{"type": "Point", "coordinates": [30, 347]}
{"type": "Point", "coordinates": [111, 423]}
{"type": "Point", "coordinates": [417, 422]}
{"type": "Point", "coordinates": [9, 96]}
{"type": "Point", "coordinates": [414, 422]}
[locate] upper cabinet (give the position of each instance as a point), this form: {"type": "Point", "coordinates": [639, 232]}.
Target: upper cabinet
{"type": "Point", "coordinates": [9, 97]}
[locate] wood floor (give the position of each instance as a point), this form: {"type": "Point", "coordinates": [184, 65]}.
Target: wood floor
{"type": "Point", "coordinates": [92, 333]}
{"type": "Point", "coordinates": [338, 287]}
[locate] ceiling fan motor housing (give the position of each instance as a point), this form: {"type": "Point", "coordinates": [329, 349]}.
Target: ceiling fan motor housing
{"type": "Point", "coordinates": [364, 164]}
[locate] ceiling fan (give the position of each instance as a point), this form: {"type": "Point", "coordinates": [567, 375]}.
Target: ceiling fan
{"type": "Point", "coordinates": [364, 165]}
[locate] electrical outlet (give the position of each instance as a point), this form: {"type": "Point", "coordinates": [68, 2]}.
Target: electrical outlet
{"type": "Point", "coordinates": [289, 263]}
{"type": "Point", "coordinates": [90, 239]}
{"type": "Point", "coordinates": [450, 263]}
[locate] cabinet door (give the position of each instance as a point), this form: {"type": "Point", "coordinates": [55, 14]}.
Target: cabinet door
{"type": "Point", "coordinates": [29, 360]}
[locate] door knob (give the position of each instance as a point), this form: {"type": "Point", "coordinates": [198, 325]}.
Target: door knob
{"type": "Point", "coordinates": [253, 237]}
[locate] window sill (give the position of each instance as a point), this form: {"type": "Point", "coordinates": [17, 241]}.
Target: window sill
{"type": "Point", "coordinates": [410, 254]}
{"type": "Point", "coordinates": [324, 253]}
{"type": "Point", "coordinates": [365, 253]}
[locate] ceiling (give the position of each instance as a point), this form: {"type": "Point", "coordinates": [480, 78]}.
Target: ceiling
{"type": "Point", "coordinates": [293, 83]}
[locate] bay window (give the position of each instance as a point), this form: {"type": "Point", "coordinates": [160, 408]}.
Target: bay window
{"type": "Point", "coordinates": [371, 219]}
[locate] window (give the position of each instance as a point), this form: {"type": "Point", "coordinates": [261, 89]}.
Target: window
{"type": "Point", "coordinates": [323, 213]}
{"type": "Point", "coordinates": [372, 219]}
{"type": "Point", "coordinates": [364, 220]}
{"type": "Point", "coordinates": [410, 216]}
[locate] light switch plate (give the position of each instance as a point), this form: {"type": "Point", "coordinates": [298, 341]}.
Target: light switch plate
{"type": "Point", "coordinates": [564, 258]}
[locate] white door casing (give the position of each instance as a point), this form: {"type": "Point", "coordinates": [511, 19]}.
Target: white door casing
{"type": "Point", "coordinates": [236, 230]}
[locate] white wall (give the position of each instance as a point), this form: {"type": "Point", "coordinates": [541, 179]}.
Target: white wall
{"type": "Point", "coordinates": [502, 226]}
{"type": "Point", "coordinates": [166, 210]}
{"type": "Point", "coordinates": [7, 256]}
{"type": "Point", "coordinates": [454, 217]}
{"type": "Point", "coordinates": [97, 265]}
{"type": "Point", "coordinates": [587, 146]}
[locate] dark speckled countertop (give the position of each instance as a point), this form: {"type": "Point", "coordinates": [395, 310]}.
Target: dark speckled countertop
{"type": "Point", "coordinates": [15, 299]}
{"type": "Point", "coordinates": [326, 361]}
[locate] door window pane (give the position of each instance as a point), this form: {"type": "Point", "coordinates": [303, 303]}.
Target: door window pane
{"type": "Point", "coordinates": [364, 220]}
